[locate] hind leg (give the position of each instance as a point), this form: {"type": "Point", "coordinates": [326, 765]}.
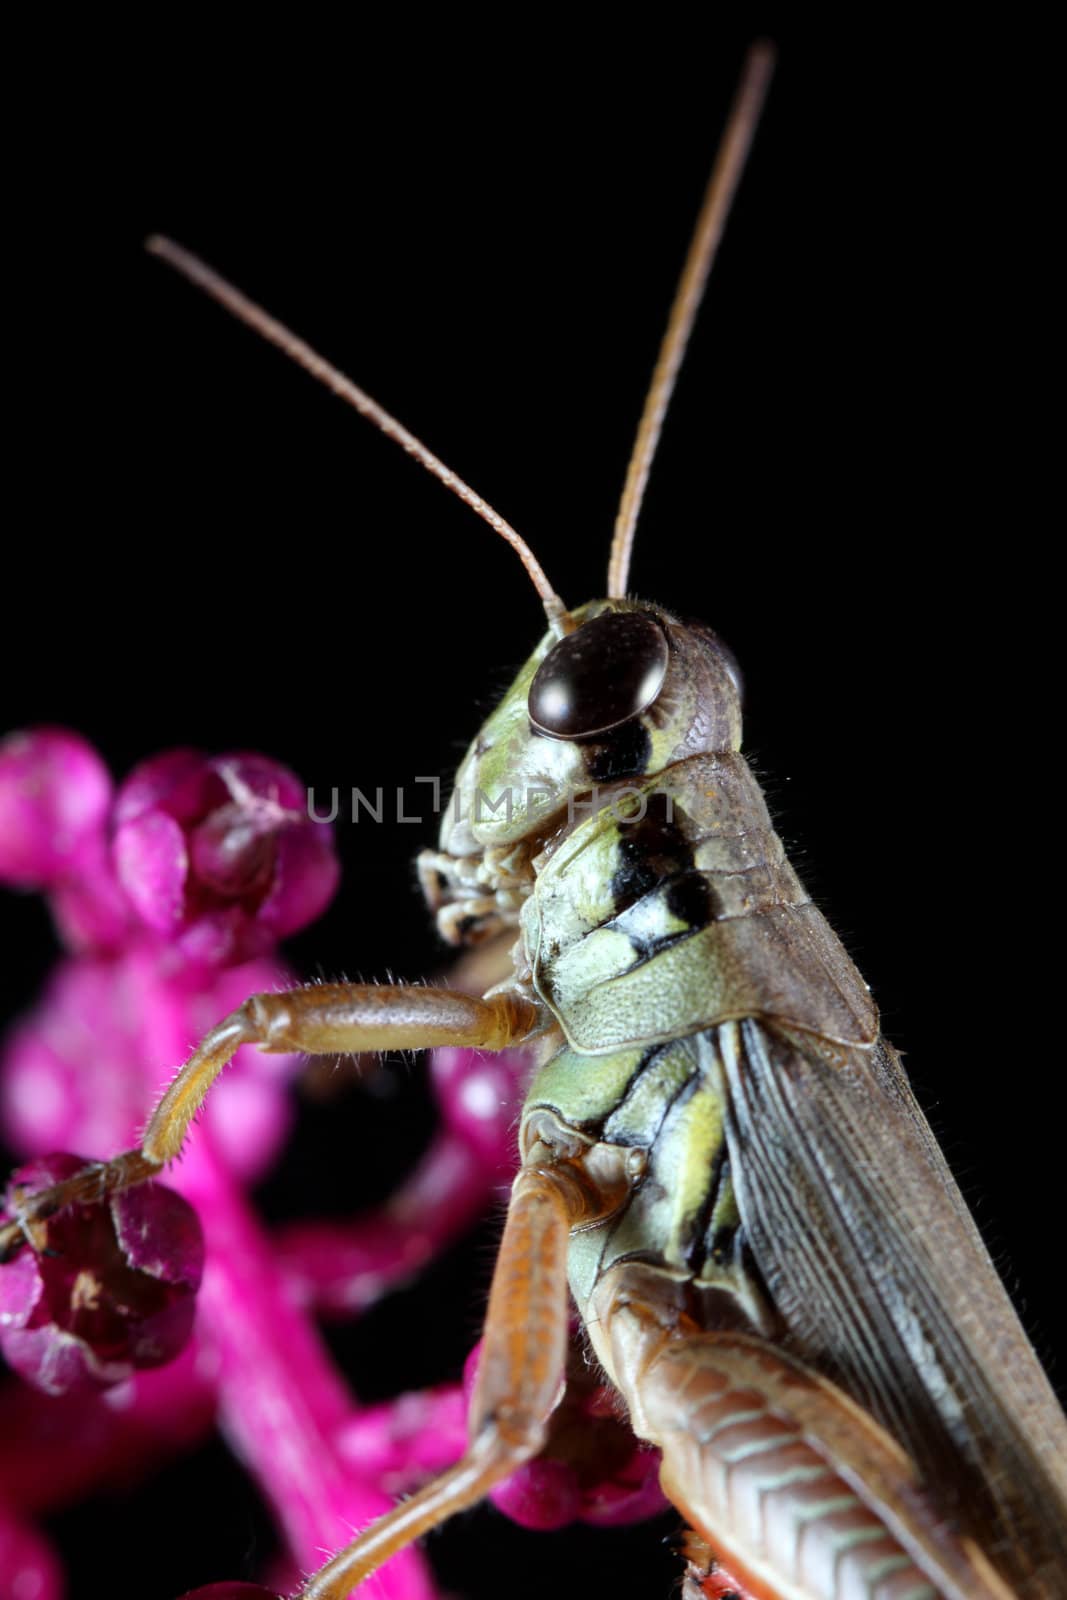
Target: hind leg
{"type": "Point", "coordinates": [795, 1486]}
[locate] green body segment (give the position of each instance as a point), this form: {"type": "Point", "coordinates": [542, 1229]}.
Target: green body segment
{"type": "Point", "coordinates": [683, 915]}
{"type": "Point", "coordinates": [653, 921]}
{"type": "Point", "coordinates": [662, 1100]}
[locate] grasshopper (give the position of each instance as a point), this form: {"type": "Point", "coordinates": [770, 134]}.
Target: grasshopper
{"type": "Point", "coordinates": [722, 1163]}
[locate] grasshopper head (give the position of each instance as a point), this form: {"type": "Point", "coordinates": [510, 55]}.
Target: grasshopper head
{"type": "Point", "coordinates": [629, 691]}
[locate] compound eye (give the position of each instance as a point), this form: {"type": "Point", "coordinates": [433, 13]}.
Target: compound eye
{"type": "Point", "coordinates": [598, 677]}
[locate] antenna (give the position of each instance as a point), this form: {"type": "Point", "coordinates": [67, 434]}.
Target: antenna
{"type": "Point", "coordinates": [729, 164]}
{"type": "Point", "coordinates": [253, 316]}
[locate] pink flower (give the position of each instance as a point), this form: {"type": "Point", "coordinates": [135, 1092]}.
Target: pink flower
{"type": "Point", "coordinates": [107, 1287]}
{"type": "Point", "coordinates": [219, 854]}
{"type": "Point", "coordinates": [54, 796]}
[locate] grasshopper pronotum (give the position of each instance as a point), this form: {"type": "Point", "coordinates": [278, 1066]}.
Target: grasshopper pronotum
{"type": "Point", "coordinates": [778, 1062]}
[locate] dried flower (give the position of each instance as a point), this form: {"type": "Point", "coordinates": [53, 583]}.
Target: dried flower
{"type": "Point", "coordinates": [107, 1287]}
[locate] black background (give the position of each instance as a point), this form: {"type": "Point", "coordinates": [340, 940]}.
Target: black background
{"type": "Point", "coordinates": [484, 225]}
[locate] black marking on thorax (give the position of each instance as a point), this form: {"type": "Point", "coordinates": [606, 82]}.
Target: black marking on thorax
{"type": "Point", "coordinates": [653, 851]}
{"type": "Point", "coordinates": [652, 848]}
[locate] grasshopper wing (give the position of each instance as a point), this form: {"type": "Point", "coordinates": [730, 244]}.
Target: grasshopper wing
{"type": "Point", "coordinates": [872, 1260]}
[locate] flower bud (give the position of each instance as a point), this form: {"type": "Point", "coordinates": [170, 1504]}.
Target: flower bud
{"type": "Point", "coordinates": [54, 797]}
{"type": "Point", "coordinates": [220, 854]}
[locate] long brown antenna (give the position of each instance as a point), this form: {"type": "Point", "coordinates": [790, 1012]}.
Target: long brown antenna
{"type": "Point", "coordinates": [729, 164]}
{"type": "Point", "coordinates": [297, 350]}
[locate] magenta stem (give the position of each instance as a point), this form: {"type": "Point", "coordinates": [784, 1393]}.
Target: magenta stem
{"type": "Point", "coordinates": [280, 1401]}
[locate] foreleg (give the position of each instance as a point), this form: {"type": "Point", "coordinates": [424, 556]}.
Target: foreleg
{"type": "Point", "coordinates": [326, 1019]}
